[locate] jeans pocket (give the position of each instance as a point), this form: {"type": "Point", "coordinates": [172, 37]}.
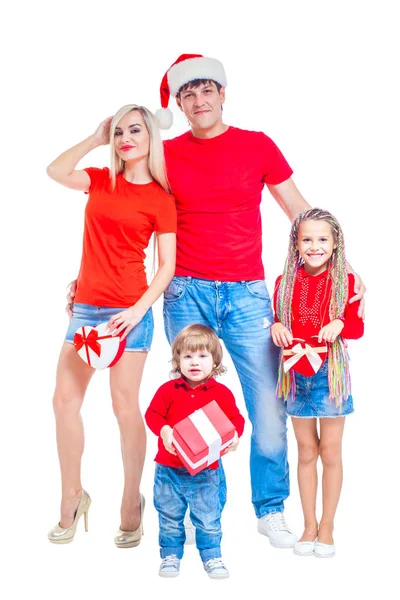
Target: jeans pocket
{"type": "Point", "coordinates": [174, 291]}
{"type": "Point", "coordinates": [258, 289]}
{"type": "Point", "coordinates": [206, 491]}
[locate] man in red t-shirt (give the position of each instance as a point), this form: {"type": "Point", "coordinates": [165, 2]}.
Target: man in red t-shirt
{"type": "Point", "coordinates": [217, 173]}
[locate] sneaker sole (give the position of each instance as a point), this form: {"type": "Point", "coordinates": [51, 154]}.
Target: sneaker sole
{"type": "Point", "coordinates": [274, 544]}
{"type": "Point", "coordinates": [324, 555]}
{"type": "Point", "coordinates": [169, 575]}
{"type": "Point", "coordinates": [220, 576]}
{"type": "Point", "coordinates": [303, 553]}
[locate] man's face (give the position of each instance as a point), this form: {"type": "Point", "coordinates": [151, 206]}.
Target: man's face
{"type": "Point", "coordinates": [202, 105]}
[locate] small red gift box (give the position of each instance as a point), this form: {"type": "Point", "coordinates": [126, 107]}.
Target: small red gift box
{"type": "Point", "coordinates": [202, 438]}
{"type": "Point", "coordinates": [305, 356]}
{"type": "Point", "coordinates": [98, 348]}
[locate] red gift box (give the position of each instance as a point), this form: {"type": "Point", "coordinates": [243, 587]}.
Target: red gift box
{"type": "Point", "coordinates": [305, 356]}
{"type": "Point", "coordinates": [202, 438]}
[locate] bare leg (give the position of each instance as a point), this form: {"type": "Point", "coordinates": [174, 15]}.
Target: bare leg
{"type": "Point", "coordinates": [330, 449]}
{"type": "Point", "coordinates": [125, 378]}
{"type": "Point", "coordinates": [73, 376]}
{"type": "Point", "coordinates": [307, 441]}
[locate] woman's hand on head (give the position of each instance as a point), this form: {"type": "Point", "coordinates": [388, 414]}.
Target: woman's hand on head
{"type": "Point", "coordinates": [281, 335]}
{"type": "Point", "coordinates": [102, 133]}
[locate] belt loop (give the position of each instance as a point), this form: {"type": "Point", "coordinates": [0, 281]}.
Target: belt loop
{"type": "Point", "coordinates": [189, 280]}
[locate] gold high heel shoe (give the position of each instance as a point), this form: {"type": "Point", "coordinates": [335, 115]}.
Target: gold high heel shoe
{"type": "Point", "coordinates": [59, 535]}
{"type": "Point", "coordinates": [130, 539]}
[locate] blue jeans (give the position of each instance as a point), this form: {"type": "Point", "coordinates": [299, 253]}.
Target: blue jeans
{"type": "Point", "coordinates": [240, 314]}
{"type": "Point", "coordinates": [174, 491]}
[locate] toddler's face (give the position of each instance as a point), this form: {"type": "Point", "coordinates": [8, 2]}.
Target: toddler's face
{"type": "Point", "coordinates": [196, 366]}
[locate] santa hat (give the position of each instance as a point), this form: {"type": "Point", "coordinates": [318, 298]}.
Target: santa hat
{"type": "Point", "coordinates": [187, 68]}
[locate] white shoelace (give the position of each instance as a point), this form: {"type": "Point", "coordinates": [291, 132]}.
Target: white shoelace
{"type": "Point", "coordinates": [214, 563]}
{"type": "Point", "coordinates": [170, 561]}
{"type": "Point", "coordinates": [278, 522]}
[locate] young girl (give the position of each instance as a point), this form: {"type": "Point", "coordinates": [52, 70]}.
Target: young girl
{"type": "Point", "coordinates": [196, 360]}
{"type": "Point", "coordinates": [126, 204]}
{"type": "Point", "coordinates": [311, 299]}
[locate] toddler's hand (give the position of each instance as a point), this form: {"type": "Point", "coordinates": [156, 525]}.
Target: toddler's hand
{"type": "Point", "coordinates": [281, 335]}
{"type": "Point", "coordinates": [232, 447]}
{"type": "Point", "coordinates": [330, 332]}
{"type": "Point", "coordinates": [166, 436]}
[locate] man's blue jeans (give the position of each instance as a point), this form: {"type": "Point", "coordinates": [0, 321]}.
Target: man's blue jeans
{"type": "Point", "coordinates": [174, 491]}
{"type": "Point", "coordinates": [240, 314]}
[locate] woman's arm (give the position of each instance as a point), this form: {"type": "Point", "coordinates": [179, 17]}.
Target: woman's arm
{"type": "Point", "coordinates": [127, 319]}
{"type": "Point", "coordinates": [62, 169]}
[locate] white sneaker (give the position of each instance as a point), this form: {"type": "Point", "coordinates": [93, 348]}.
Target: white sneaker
{"type": "Point", "coordinates": [324, 550]}
{"type": "Point", "coordinates": [215, 568]}
{"type": "Point", "coordinates": [304, 548]}
{"type": "Point", "coordinates": [190, 530]}
{"type": "Point", "coordinates": [275, 527]}
{"type": "Point", "coordinates": [169, 566]}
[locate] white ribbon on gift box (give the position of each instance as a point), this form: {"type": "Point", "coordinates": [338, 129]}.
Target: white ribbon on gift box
{"type": "Point", "coordinates": [211, 437]}
{"type": "Point", "coordinates": [298, 351]}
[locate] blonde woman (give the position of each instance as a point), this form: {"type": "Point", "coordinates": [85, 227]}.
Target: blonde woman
{"type": "Point", "coordinates": [126, 204]}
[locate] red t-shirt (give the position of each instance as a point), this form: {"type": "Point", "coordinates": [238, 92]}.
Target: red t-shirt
{"type": "Point", "coordinates": [118, 227]}
{"type": "Point", "coordinates": [217, 184]}
{"type": "Point", "coordinates": [175, 401]}
{"type": "Point", "coordinates": [310, 306]}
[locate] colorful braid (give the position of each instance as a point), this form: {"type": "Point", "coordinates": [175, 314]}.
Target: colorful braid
{"type": "Point", "coordinates": [339, 377]}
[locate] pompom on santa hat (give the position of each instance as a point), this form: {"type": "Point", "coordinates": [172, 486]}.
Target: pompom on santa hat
{"type": "Point", "coordinates": [187, 68]}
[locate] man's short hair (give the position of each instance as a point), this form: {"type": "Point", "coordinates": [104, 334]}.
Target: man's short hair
{"type": "Point", "coordinates": [196, 83]}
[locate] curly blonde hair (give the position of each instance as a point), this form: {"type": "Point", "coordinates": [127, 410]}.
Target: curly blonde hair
{"type": "Point", "coordinates": [193, 338]}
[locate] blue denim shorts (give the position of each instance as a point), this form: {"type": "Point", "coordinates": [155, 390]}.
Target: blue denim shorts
{"type": "Point", "coordinates": [139, 339]}
{"type": "Point", "coordinates": [312, 398]}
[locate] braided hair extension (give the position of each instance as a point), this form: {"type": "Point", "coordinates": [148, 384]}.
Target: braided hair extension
{"type": "Point", "coordinates": [339, 377]}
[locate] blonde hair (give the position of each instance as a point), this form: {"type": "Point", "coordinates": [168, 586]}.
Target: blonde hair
{"type": "Point", "coordinates": [156, 153]}
{"type": "Point", "coordinates": [193, 338]}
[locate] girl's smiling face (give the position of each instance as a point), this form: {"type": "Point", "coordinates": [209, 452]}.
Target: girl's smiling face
{"type": "Point", "coordinates": [315, 243]}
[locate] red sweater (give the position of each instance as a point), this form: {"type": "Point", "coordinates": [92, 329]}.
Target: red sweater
{"type": "Point", "coordinates": [310, 306]}
{"type": "Point", "coordinates": [175, 400]}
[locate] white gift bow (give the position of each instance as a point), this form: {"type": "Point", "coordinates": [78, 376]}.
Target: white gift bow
{"type": "Point", "coordinates": [298, 351]}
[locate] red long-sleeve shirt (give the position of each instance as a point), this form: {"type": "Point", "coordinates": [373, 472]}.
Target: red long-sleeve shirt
{"type": "Point", "coordinates": [310, 306]}
{"type": "Point", "coordinates": [175, 400]}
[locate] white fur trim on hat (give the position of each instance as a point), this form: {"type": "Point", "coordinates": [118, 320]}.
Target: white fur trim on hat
{"type": "Point", "coordinates": [164, 118]}
{"type": "Point", "coordinates": [195, 68]}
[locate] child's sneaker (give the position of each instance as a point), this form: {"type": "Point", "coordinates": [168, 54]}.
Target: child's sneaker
{"type": "Point", "coordinates": [169, 566]}
{"type": "Point", "coordinates": [215, 568]}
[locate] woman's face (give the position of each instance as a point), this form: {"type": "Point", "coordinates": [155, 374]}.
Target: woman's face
{"type": "Point", "coordinates": [131, 138]}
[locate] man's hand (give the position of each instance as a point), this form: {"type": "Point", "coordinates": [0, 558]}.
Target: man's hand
{"type": "Point", "coordinates": [359, 290]}
{"type": "Point", "coordinates": [330, 332]}
{"type": "Point", "coordinates": [166, 436]}
{"type": "Point", "coordinates": [281, 335]}
{"type": "Point", "coordinates": [70, 297]}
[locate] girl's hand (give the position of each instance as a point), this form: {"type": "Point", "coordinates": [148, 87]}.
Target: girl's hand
{"type": "Point", "coordinates": [125, 320]}
{"type": "Point", "coordinates": [330, 332]}
{"type": "Point", "coordinates": [166, 436]}
{"type": "Point", "coordinates": [281, 335]}
{"type": "Point", "coordinates": [102, 133]}
{"type": "Point", "coordinates": [232, 447]}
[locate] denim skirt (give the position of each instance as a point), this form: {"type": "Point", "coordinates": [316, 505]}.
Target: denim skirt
{"type": "Point", "coordinates": [312, 398]}
{"type": "Point", "coordinates": [139, 338]}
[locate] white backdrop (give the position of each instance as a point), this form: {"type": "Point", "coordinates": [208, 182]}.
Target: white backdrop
{"type": "Point", "coordinates": [321, 79]}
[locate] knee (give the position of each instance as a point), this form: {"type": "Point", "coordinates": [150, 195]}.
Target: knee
{"type": "Point", "coordinates": [308, 453]}
{"type": "Point", "coordinates": [125, 406]}
{"type": "Point", "coordinates": [66, 405]}
{"type": "Point", "coordinates": [331, 454]}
